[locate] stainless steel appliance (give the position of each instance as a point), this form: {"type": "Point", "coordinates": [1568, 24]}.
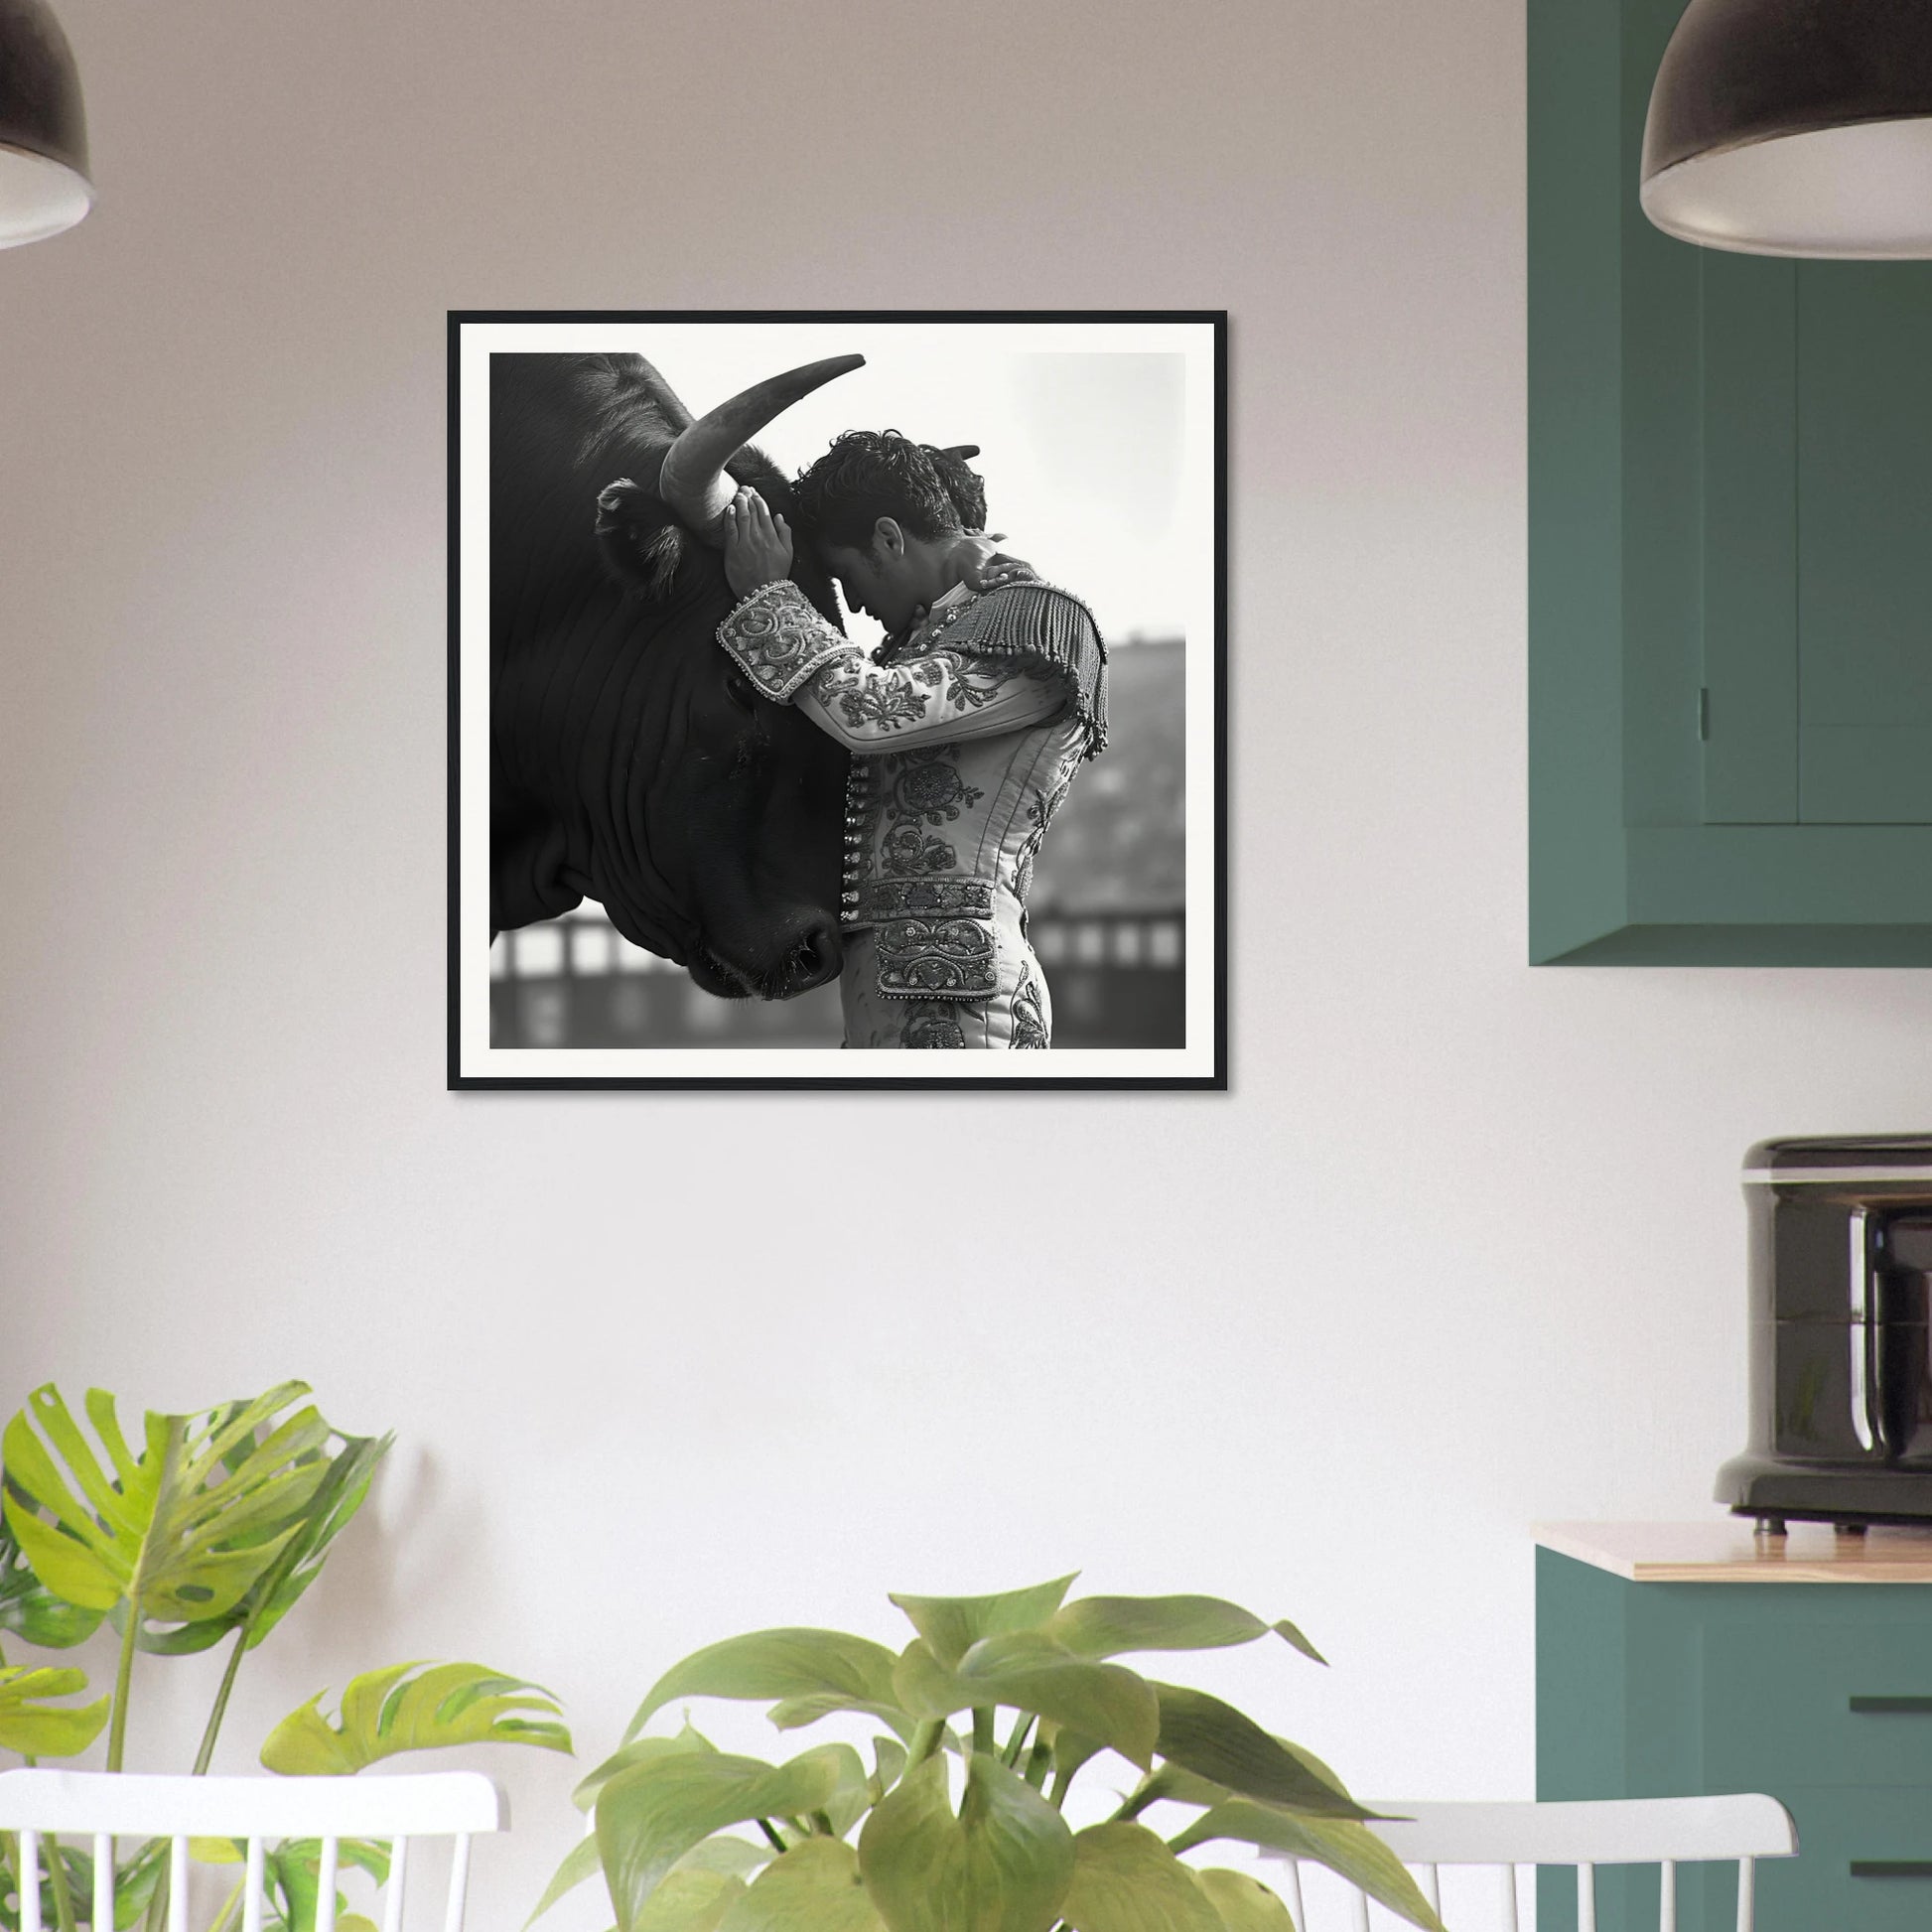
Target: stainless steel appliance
{"type": "Point", "coordinates": [1841, 1333]}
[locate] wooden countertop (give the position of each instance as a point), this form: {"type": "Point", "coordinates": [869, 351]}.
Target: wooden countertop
{"type": "Point", "coordinates": [1726, 1550]}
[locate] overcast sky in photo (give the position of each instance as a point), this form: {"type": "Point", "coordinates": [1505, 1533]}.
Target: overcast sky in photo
{"type": "Point", "coordinates": [1082, 453]}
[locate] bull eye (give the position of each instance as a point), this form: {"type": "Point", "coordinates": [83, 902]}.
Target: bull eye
{"type": "Point", "coordinates": [738, 687]}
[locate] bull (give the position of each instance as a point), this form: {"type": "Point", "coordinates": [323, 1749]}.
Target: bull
{"type": "Point", "coordinates": [631, 763]}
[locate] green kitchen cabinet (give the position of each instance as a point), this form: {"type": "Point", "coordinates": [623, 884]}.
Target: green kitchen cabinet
{"type": "Point", "coordinates": [1816, 1691]}
{"type": "Point", "coordinates": [1731, 562]}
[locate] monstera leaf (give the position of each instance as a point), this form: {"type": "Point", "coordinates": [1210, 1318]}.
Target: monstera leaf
{"type": "Point", "coordinates": [385, 1712]}
{"type": "Point", "coordinates": [176, 1534]}
{"type": "Point", "coordinates": [29, 1610]}
{"type": "Point", "coordinates": [34, 1726]}
{"type": "Point", "coordinates": [137, 1876]}
{"type": "Point", "coordinates": [291, 1878]}
{"type": "Point", "coordinates": [341, 1490]}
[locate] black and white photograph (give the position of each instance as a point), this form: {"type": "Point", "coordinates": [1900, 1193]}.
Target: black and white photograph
{"type": "Point", "coordinates": [826, 686]}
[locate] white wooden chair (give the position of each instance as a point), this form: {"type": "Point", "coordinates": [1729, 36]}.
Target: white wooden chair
{"type": "Point", "coordinates": [101, 1808]}
{"type": "Point", "coordinates": [1663, 1832]}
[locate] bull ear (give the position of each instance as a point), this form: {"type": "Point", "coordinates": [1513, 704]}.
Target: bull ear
{"type": "Point", "coordinates": [526, 875]}
{"type": "Point", "coordinates": [641, 542]}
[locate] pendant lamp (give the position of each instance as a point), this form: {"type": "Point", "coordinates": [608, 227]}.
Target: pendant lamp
{"type": "Point", "coordinates": [44, 185]}
{"type": "Point", "coordinates": [1795, 127]}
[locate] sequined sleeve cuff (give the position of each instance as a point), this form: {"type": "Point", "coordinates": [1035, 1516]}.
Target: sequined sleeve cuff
{"type": "Point", "coordinates": [779, 640]}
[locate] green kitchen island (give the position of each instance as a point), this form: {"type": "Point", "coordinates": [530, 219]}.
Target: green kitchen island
{"type": "Point", "coordinates": [1677, 1658]}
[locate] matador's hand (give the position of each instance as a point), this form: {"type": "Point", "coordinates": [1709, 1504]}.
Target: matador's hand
{"type": "Point", "coordinates": [987, 569]}
{"type": "Point", "coordinates": [758, 544]}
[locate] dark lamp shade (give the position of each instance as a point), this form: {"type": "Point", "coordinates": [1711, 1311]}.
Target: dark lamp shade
{"type": "Point", "coordinates": [44, 185]}
{"type": "Point", "coordinates": [1795, 127]}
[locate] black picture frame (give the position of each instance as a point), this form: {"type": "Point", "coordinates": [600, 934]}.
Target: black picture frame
{"type": "Point", "coordinates": [1205, 1071]}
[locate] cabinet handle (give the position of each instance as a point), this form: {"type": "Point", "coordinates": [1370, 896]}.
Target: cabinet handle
{"type": "Point", "coordinates": [1891, 1868]}
{"type": "Point", "coordinates": [1921, 1705]}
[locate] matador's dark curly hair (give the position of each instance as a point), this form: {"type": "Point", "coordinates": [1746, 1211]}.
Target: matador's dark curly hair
{"type": "Point", "coordinates": [870, 473]}
{"type": "Point", "coordinates": [966, 487]}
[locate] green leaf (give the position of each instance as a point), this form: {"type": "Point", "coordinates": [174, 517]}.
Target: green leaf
{"type": "Point", "coordinates": [177, 1534]}
{"type": "Point", "coordinates": [1202, 1735]}
{"type": "Point", "coordinates": [343, 1489]}
{"type": "Point", "coordinates": [951, 1625]}
{"type": "Point", "coordinates": [1295, 1640]}
{"type": "Point", "coordinates": [1126, 1881]}
{"type": "Point", "coordinates": [1184, 1787]}
{"type": "Point", "coordinates": [736, 1857]}
{"type": "Point", "coordinates": [1170, 1783]}
{"type": "Point", "coordinates": [654, 1812]}
{"type": "Point", "coordinates": [31, 1610]}
{"type": "Point", "coordinates": [134, 1882]}
{"type": "Point", "coordinates": [1341, 1844]}
{"type": "Point", "coordinates": [1030, 1672]}
{"type": "Point", "coordinates": [815, 1885]}
{"type": "Point", "coordinates": [1071, 1751]}
{"type": "Point", "coordinates": [580, 1863]}
{"type": "Point", "coordinates": [636, 1753]}
{"type": "Point", "coordinates": [384, 1712]}
{"type": "Point", "coordinates": [1244, 1905]}
{"type": "Point", "coordinates": [689, 1900]}
{"type": "Point", "coordinates": [1003, 1865]}
{"type": "Point", "coordinates": [775, 1664]}
{"type": "Point", "coordinates": [793, 1713]}
{"type": "Point", "coordinates": [889, 1757]}
{"type": "Point", "coordinates": [36, 1728]}
{"type": "Point", "coordinates": [852, 1800]}
{"type": "Point", "coordinates": [1107, 1627]}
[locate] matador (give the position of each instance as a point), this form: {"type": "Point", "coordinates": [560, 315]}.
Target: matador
{"type": "Point", "coordinates": [966, 729]}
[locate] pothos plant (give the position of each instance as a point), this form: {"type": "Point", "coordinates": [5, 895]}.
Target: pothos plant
{"type": "Point", "coordinates": [210, 1530]}
{"type": "Point", "coordinates": [1022, 1691]}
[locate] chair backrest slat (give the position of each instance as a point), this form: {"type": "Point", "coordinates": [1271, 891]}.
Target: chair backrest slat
{"type": "Point", "coordinates": [326, 1885]}
{"type": "Point", "coordinates": [398, 1883]}
{"type": "Point", "coordinates": [252, 1904]}
{"type": "Point", "coordinates": [1660, 1832]}
{"type": "Point", "coordinates": [1296, 1909]}
{"type": "Point", "coordinates": [459, 1884]}
{"type": "Point", "coordinates": [104, 1880]}
{"type": "Point", "coordinates": [30, 1881]}
{"type": "Point", "coordinates": [101, 1808]}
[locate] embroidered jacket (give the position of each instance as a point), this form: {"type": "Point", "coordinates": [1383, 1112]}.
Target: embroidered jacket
{"type": "Point", "coordinates": [965, 739]}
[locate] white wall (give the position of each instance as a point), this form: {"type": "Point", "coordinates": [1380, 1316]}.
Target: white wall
{"type": "Point", "coordinates": [1463, 1248]}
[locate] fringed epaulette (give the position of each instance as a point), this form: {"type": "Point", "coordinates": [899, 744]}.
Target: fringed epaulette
{"type": "Point", "coordinates": [1043, 627]}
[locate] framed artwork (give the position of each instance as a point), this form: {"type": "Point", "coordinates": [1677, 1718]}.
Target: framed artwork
{"type": "Point", "coordinates": [838, 700]}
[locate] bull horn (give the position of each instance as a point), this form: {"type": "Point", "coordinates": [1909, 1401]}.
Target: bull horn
{"type": "Point", "coordinates": [693, 481]}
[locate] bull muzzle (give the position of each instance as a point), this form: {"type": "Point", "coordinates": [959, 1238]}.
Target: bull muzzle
{"type": "Point", "coordinates": [693, 481]}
